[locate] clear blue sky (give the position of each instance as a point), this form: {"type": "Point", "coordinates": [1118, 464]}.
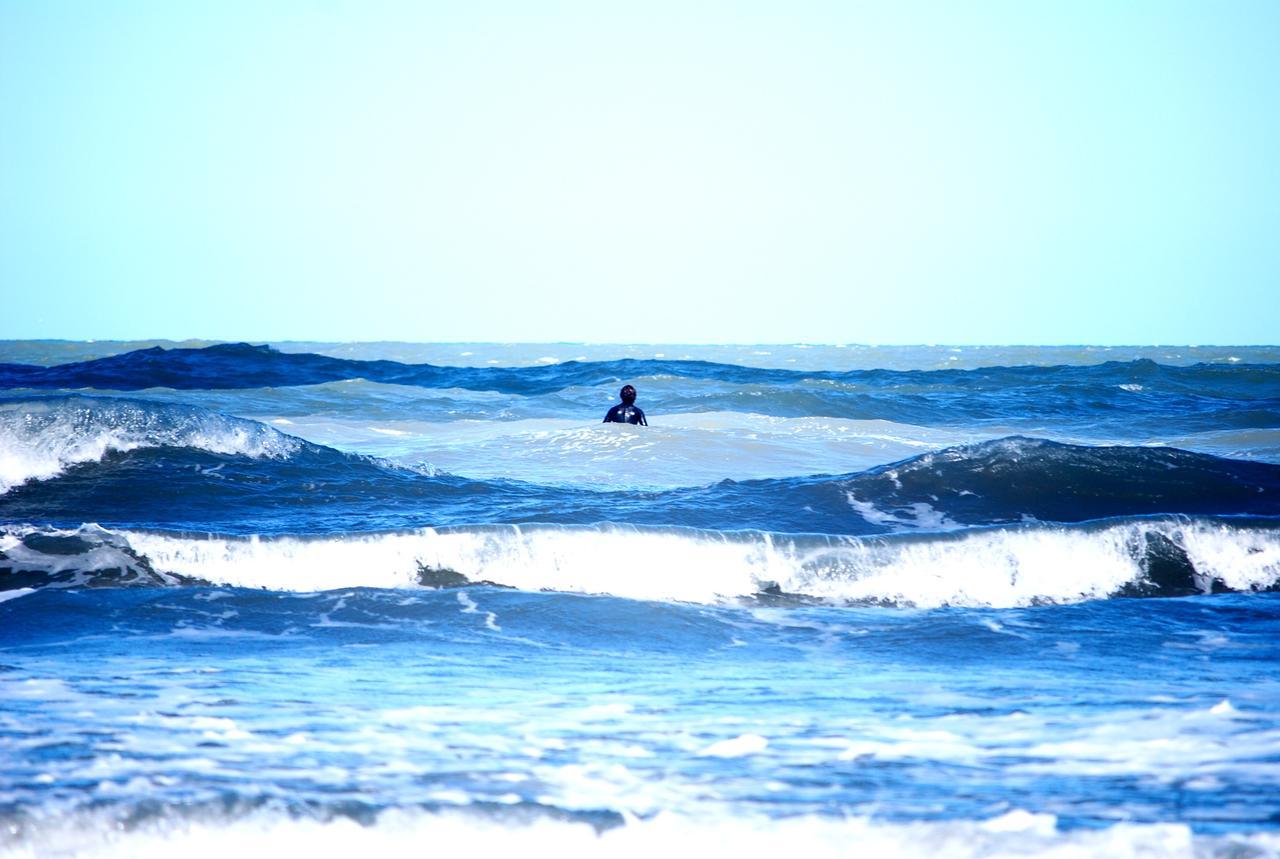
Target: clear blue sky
{"type": "Point", "coordinates": [896, 172]}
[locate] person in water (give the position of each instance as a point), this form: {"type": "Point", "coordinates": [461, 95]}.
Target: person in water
{"type": "Point", "coordinates": [626, 412]}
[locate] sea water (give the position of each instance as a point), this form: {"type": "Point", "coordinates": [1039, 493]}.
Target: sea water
{"type": "Point", "coordinates": [415, 599]}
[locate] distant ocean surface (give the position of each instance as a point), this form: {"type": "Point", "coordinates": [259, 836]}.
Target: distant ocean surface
{"type": "Point", "coordinates": [394, 599]}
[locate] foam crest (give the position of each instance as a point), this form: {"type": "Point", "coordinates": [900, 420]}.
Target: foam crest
{"type": "Point", "coordinates": [1021, 566]}
{"type": "Point", "coordinates": [654, 564]}
{"type": "Point", "coordinates": [1241, 559]}
{"type": "Point", "coordinates": [997, 567]}
{"type": "Point", "coordinates": [40, 438]}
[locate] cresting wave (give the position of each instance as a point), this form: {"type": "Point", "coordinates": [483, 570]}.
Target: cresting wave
{"type": "Point", "coordinates": [41, 437]}
{"type": "Point", "coordinates": [995, 567]}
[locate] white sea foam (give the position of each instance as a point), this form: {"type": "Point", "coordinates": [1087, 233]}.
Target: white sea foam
{"type": "Point", "coordinates": [404, 833]}
{"type": "Point", "coordinates": [40, 438]}
{"type": "Point", "coordinates": [678, 449]}
{"type": "Point", "coordinates": [1241, 558]}
{"type": "Point", "coordinates": [918, 515]}
{"type": "Point", "coordinates": [1164, 744]}
{"type": "Point", "coordinates": [999, 567]}
{"type": "Point", "coordinates": [93, 549]}
{"type": "Point", "coordinates": [745, 744]}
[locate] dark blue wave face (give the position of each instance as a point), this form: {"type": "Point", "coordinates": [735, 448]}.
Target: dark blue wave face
{"type": "Point", "coordinates": [1133, 399]}
{"type": "Point", "coordinates": [1016, 478]}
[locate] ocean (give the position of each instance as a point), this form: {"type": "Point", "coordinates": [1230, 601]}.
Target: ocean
{"type": "Point", "coordinates": [415, 599]}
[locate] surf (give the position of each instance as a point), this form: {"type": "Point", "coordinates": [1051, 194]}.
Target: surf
{"type": "Point", "coordinates": [989, 567]}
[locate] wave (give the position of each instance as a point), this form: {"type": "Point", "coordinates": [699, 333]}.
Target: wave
{"type": "Point", "coordinates": [241, 365]}
{"type": "Point", "coordinates": [133, 463]}
{"type": "Point", "coordinates": [1018, 478]}
{"type": "Point", "coordinates": [996, 567]}
{"type": "Point", "coordinates": [1198, 398]}
{"type": "Point", "coordinates": [41, 437]}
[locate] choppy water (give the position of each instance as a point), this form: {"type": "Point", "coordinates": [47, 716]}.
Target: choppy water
{"type": "Point", "coordinates": [845, 600]}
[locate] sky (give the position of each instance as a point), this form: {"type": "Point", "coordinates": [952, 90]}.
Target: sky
{"type": "Point", "coordinates": [687, 172]}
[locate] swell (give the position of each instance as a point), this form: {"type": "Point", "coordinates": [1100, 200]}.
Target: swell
{"type": "Point", "coordinates": [137, 464]}
{"type": "Point", "coordinates": [241, 365]}
{"type": "Point", "coordinates": [1018, 478]}
{"type": "Point", "coordinates": [1200, 397]}
{"type": "Point", "coordinates": [997, 567]}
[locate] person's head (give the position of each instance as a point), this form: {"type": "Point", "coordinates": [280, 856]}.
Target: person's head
{"type": "Point", "coordinates": [628, 395]}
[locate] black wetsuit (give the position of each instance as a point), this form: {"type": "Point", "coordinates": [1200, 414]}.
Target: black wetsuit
{"type": "Point", "coordinates": [625, 414]}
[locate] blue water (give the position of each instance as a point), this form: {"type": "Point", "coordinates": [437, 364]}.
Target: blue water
{"type": "Point", "coordinates": [846, 601]}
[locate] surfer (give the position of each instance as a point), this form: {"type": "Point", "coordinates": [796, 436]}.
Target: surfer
{"type": "Point", "coordinates": [626, 412]}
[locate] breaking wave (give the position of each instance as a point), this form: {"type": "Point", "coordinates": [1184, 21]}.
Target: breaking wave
{"type": "Point", "coordinates": [41, 437]}
{"type": "Point", "coordinates": [996, 567]}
